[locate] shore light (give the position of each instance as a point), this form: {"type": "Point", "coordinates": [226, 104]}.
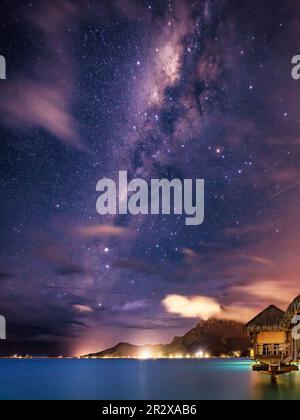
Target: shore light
{"type": "Point", "coordinates": [145, 355]}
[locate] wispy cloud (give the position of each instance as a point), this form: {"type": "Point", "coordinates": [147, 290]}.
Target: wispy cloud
{"type": "Point", "coordinates": [135, 305]}
{"type": "Point", "coordinates": [58, 256]}
{"type": "Point", "coordinates": [42, 97]}
{"type": "Point", "coordinates": [98, 231]}
{"type": "Point", "coordinates": [42, 106]}
{"type": "Point", "coordinates": [83, 309]}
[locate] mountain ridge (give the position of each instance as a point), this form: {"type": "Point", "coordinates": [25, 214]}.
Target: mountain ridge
{"type": "Point", "coordinates": [214, 337]}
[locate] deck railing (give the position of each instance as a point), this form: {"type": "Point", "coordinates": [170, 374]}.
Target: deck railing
{"type": "Point", "coordinates": [281, 350]}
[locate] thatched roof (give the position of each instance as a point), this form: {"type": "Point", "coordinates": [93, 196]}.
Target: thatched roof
{"type": "Point", "coordinates": [293, 310]}
{"type": "Point", "coordinates": [268, 320]}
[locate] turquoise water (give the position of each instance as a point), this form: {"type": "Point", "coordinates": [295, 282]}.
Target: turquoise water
{"type": "Point", "coordinates": [132, 379]}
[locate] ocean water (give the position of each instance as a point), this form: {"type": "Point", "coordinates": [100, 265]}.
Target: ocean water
{"type": "Point", "coordinates": [133, 379]}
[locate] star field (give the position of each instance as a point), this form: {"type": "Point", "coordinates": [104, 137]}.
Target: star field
{"type": "Point", "coordinates": [187, 89]}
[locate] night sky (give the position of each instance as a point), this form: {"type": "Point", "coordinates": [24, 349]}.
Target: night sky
{"type": "Point", "coordinates": [161, 89]}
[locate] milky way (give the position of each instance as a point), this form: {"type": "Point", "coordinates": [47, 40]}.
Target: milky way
{"type": "Point", "coordinates": [187, 89]}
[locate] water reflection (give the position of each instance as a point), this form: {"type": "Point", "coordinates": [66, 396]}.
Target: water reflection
{"type": "Point", "coordinates": [142, 380]}
{"type": "Point", "coordinates": [287, 387]}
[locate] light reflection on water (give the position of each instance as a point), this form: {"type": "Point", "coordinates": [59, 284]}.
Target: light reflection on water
{"type": "Point", "coordinates": [133, 379]}
{"type": "Point", "coordinates": [287, 387]}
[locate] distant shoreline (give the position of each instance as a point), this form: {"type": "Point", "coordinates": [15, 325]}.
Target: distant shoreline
{"type": "Point", "coordinates": [122, 358]}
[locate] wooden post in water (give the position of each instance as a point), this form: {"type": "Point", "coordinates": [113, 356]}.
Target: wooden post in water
{"type": "Point", "coordinates": [274, 377]}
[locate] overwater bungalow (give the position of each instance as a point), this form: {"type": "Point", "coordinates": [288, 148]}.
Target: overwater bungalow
{"type": "Point", "coordinates": [274, 348]}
